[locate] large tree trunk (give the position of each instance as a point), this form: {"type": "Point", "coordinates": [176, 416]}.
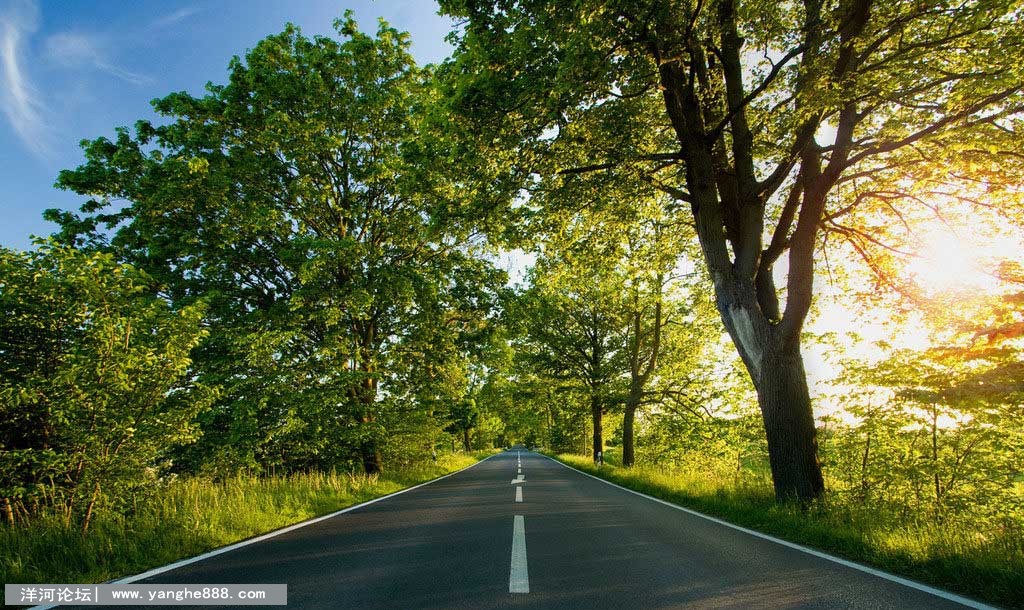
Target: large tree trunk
{"type": "Point", "coordinates": [776, 367]}
{"type": "Point", "coordinates": [638, 377]}
{"type": "Point", "coordinates": [595, 412]}
{"type": "Point", "coordinates": [628, 433]}
{"type": "Point", "coordinates": [789, 426]}
{"type": "Point", "coordinates": [370, 447]}
{"type": "Point", "coordinates": [627, 436]}
{"type": "Point", "coordinates": [372, 462]}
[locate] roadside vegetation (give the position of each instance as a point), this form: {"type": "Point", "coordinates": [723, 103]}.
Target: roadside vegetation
{"type": "Point", "coordinates": [185, 517]}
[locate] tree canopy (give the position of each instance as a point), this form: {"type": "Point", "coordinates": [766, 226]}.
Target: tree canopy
{"type": "Point", "coordinates": [305, 197]}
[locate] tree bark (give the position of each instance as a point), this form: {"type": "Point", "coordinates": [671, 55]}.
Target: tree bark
{"type": "Point", "coordinates": [465, 439]}
{"type": "Point", "coordinates": [372, 462]}
{"type": "Point", "coordinates": [595, 412]}
{"type": "Point", "coordinates": [728, 202]}
{"type": "Point", "coordinates": [789, 425]}
{"type": "Point", "coordinates": [773, 360]}
{"type": "Point", "coordinates": [628, 458]}
{"type": "Point", "coordinates": [638, 377]}
{"type": "Point", "coordinates": [369, 449]}
{"type": "Point", "coordinates": [367, 393]}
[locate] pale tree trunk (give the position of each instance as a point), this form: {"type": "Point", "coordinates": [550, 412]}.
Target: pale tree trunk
{"type": "Point", "coordinates": [87, 519]}
{"type": "Point", "coordinates": [864, 485]}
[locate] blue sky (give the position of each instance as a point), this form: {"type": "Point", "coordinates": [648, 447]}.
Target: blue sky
{"type": "Point", "coordinates": [75, 69]}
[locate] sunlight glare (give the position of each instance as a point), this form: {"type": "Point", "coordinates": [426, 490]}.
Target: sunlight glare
{"type": "Point", "coordinates": [946, 263]}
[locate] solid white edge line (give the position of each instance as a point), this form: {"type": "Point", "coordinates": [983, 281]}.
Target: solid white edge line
{"type": "Point", "coordinates": [953, 597]}
{"type": "Point", "coordinates": [518, 574]}
{"type": "Point", "coordinates": [237, 545]}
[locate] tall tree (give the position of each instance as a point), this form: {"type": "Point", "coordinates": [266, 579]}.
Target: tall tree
{"type": "Point", "coordinates": [309, 197]}
{"type": "Point", "coordinates": [764, 119]}
{"type": "Point", "coordinates": [648, 268]}
{"type": "Point", "coordinates": [573, 320]}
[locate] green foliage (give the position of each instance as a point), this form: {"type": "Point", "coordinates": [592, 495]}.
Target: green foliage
{"type": "Point", "coordinates": [308, 201]}
{"type": "Point", "coordinates": [96, 384]}
{"type": "Point", "coordinates": [926, 441]}
{"type": "Point", "coordinates": [464, 417]}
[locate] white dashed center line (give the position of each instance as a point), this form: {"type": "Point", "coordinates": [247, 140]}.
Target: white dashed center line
{"type": "Point", "coordinates": [518, 577]}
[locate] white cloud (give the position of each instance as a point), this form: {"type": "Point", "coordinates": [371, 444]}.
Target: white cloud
{"type": "Point", "coordinates": [19, 98]}
{"type": "Point", "coordinates": [22, 105]}
{"type": "Point", "coordinates": [82, 50]}
{"type": "Point", "coordinates": [171, 19]}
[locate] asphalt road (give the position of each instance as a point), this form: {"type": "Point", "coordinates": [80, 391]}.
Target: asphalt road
{"type": "Point", "coordinates": [581, 544]}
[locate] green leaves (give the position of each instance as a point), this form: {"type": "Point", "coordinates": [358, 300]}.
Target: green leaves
{"type": "Point", "coordinates": [98, 380]}
{"type": "Point", "coordinates": [310, 201]}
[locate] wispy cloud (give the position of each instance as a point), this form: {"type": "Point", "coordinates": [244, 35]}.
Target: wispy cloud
{"type": "Point", "coordinates": [84, 50]}
{"type": "Point", "coordinates": [172, 19]}
{"type": "Point", "coordinates": [19, 98]}
{"type": "Point", "coordinates": [21, 103]}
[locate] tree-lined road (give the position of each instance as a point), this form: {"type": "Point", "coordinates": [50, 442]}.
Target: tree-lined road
{"type": "Point", "coordinates": [571, 541]}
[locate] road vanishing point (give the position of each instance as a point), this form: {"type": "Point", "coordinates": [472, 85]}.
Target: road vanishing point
{"type": "Point", "coordinates": [520, 530]}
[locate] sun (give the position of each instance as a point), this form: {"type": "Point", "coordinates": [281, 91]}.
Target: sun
{"type": "Point", "coordinates": [945, 262]}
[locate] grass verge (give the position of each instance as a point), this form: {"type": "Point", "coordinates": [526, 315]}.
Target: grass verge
{"type": "Point", "coordinates": [191, 516]}
{"type": "Point", "coordinates": [985, 565]}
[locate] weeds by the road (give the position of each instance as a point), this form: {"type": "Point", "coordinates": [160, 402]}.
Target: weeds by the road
{"type": "Point", "coordinates": [192, 516]}
{"type": "Point", "coordinates": [985, 561]}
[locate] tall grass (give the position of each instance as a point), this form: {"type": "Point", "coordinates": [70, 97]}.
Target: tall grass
{"type": "Point", "coordinates": [188, 517]}
{"type": "Point", "coordinates": [984, 560]}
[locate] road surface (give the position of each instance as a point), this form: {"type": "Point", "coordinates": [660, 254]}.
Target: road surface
{"type": "Point", "coordinates": [554, 538]}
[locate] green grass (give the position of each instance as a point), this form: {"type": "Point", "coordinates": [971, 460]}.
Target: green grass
{"type": "Point", "coordinates": [191, 516]}
{"type": "Point", "coordinates": [983, 562]}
